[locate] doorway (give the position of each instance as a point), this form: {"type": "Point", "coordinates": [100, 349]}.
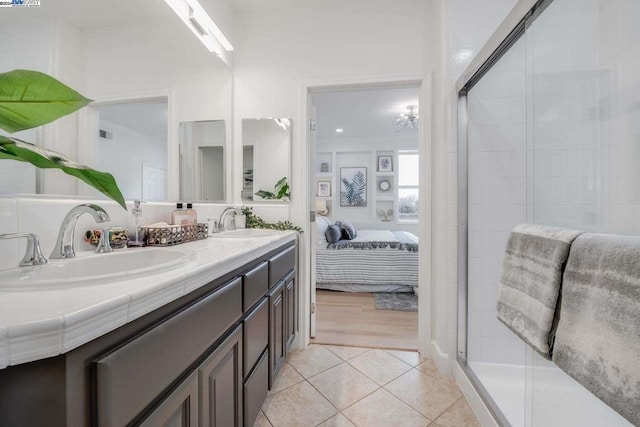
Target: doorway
{"type": "Point", "coordinates": [364, 185]}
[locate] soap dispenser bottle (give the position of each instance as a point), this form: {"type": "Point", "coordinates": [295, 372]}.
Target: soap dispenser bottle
{"type": "Point", "coordinates": [134, 227]}
{"type": "Point", "coordinates": [179, 216]}
{"type": "Point", "coordinates": [192, 215]}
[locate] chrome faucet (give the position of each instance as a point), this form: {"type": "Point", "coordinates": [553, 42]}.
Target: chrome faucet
{"type": "Point", "coordinates": [64, 243]}
{"type": "Point", "coordinates": [33, 255]}
{"type": "Point", "coordinates": [222, 221]}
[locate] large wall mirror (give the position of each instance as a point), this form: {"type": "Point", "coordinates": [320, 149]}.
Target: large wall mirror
{"type": "Point", "coordinates": [147, 74]}
{"type": "Point", "coordinates": [266, 157]}
{"type": "Point", "coordinates": [202, 160]}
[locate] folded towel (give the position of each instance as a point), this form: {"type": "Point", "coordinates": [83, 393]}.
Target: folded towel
{"type": "Point", "coordinates": [598, 336]}
{"type": "Point", "coordinates": [530, 283]}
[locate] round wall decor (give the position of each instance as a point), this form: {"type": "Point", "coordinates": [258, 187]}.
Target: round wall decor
{"type": "Point", "coordinates": [384, 185]}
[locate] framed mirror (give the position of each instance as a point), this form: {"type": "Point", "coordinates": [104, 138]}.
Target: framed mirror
{"type": "Point", "coordinates": [127, 57]}
{"type": "Point", "coordinates": [202, 161]}
{"type": "Point", "coordinates": [266, 159]}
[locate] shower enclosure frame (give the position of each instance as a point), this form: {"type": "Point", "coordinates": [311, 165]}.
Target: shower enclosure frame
{"type": "Point", "coordinates": [511, 30]}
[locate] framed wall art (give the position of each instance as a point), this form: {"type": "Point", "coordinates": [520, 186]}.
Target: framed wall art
{"type": "Point", "coordinates": [353, 187]}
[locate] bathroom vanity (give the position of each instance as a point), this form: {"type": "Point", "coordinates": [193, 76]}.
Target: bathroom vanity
{"type": "Point", "coordinates": [207, 357]}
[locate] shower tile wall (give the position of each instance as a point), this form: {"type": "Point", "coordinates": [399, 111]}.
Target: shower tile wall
{"type": "Point", "coordinates": [497, 199]}
{"type": "Point", "coordinates": [564, 87]}
{"type": "Point", "coordinates": [619, 66]}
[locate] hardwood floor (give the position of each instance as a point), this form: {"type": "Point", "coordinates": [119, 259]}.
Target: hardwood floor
{"type": "Point", "coordinates": [345, 318]}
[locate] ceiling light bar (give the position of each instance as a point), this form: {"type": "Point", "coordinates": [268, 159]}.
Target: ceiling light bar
{"type": "Point", "coordinates": [200, 23]}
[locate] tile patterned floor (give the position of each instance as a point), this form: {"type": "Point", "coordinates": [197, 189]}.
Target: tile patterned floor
{"type": "Point", "coordinates": [333, 386]}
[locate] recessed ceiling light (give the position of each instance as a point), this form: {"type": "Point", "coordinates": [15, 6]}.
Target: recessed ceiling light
{"type": "Point", "coordinates": [339, 130]}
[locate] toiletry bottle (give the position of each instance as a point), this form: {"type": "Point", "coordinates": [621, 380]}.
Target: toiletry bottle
{"type": "Point", "coordinates": [192, 214]}
{"type": "Point", "coordinates": [179, 216]}
{"type": "Point", "coordinates": [134, 226]}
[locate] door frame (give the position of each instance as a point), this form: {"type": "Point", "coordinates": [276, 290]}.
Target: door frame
{"type": "Point", "coordinates": [425, 84]}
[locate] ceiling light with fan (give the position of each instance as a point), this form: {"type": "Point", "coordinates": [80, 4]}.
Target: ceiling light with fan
{"type": "Point", "coordinates": [407, 120]}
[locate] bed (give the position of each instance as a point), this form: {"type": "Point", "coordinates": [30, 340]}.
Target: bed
{"type": "Point", "coordinates": [374, 261]}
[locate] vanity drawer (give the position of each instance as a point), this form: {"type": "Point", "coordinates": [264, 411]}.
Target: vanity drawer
{"type": "Point", "coordinates": [281, 264]}
{"type": "Point", "coordinates": [255, 285]}
{"type": "Point", "coordinates": [133, 375]}
{"type": "Point", "coordinates": [256, 335]}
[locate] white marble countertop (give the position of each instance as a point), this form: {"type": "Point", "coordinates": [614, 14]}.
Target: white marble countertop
{"type": "Point", "coordinates": [36, 324]}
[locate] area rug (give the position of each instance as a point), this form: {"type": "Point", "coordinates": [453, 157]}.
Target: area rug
{"type": "Point", "coordinates": [396, 301]}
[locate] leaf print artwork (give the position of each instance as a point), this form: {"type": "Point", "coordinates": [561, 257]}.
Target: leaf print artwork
{"type": "Point", "coordinates": [353, 187]}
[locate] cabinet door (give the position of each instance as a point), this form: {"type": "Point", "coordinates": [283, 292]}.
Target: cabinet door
{"type": "Point", "coordinates": [179, 409]}
{"type": "Point", "coordinates": [221, 384]}
{"type": "Point", "coordinates": [291, 302]}
{"type": "Point", "coordinates": [277, 322]}
{"type": "Point", "coordinates": [256, 389]}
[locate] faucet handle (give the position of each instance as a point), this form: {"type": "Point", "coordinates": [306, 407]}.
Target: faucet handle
{"type": "Point", "coordinates": [33, 254]}
{"type": "Point", "coordinates": [104, 245]}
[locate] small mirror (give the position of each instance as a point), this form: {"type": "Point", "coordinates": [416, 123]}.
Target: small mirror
{"type": "Point", "coordinates": [266, 159]}
{"type": "Point", "coordinates": [202, 160]}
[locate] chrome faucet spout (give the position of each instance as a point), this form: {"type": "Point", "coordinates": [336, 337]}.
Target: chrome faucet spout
{"type": "Point", "coordinates": [228, 211]}
{"type": "Point", "coordinates": [64, 243]}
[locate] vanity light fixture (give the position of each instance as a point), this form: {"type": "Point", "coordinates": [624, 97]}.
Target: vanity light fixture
{"type": "Point", "coordinates": [200, 23]}
{"type": "Point", "coordinates": [339, 130]}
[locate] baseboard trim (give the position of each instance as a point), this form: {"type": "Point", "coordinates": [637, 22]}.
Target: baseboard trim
{"type": "Point", "coordinates": [440, 358]}
{"type": "Point", "coordinates": [475, 401]}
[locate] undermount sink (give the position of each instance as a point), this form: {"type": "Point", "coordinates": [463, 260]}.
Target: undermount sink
{"type": "Point", "coordinates": [93, 269]}
{"type": "Point", "coordinates": [246, 233]}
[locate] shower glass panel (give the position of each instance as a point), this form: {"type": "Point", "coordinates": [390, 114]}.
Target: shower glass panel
{"type": "Point", "coordinates": [497, 200]}
{"type": "Point", "coordinates": [552, 137]}
{"type": "Point", "coordinates": [584, 144]}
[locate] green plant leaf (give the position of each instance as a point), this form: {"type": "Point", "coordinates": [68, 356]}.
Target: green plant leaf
{"type": "Point", "coordinates": [282, 182]}
{"type": "Point", "coordinates": [15, 149]}
{"type": "Point", "coordinates": [265, 194]}
{"type": "Point", "coordinates": [283, 191]}
{"type": "Point", "coordinates": [29, 99]}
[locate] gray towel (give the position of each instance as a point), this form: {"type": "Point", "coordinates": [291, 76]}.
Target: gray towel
{"type": "Point", "coordinates": [530, 284]}
{"type": "Point", "coordinates": [598, 336]}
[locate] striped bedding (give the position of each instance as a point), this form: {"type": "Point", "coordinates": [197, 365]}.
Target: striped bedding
{"type": "Point", "coordinates": [380, 266]}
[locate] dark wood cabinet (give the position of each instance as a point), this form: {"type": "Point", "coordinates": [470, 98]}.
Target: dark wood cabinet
{"type": "Point", "coordinates": [256, 335]}
{"type": "Point", "coordinates": [277, 344]}
{"type": "Point", "coordinates": [179, 409]}
{"type": "Point", "coordinates": [291, 314]}
{"type": "Point", "coordinates": [220, 379]}
{"type": "Point", "coordinates": [207, 358]}
{"type": "Point", "coordinates": [256, 388]}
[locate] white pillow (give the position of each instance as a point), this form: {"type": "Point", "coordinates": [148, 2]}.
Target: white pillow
{"type": "Point", "coordinates": [322, 223]}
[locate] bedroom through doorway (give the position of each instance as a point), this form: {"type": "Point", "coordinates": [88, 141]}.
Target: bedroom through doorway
{"type": "Point", "coordinates": [365, 146]}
